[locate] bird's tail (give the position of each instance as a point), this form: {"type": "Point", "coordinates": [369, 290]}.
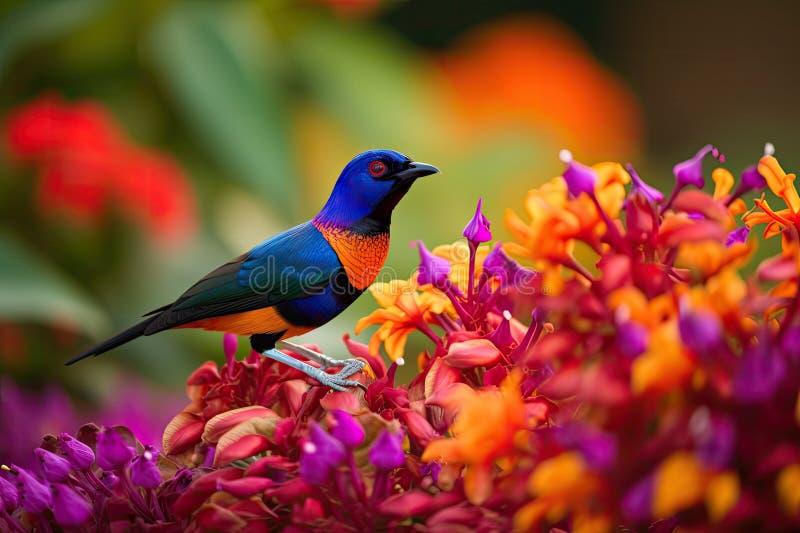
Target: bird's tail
{"type": "Point", "coordinates": [117, 340]}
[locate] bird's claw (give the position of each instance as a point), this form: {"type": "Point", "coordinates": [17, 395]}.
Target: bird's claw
{"type": "Point", "coordinates": [339, 381]}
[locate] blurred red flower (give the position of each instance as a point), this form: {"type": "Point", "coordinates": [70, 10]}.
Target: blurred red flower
{"type": "Point", "coordinates": [87, 165]}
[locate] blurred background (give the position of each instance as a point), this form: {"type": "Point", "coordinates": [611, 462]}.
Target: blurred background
{"type": "Point", "coordinates": [146, 142]}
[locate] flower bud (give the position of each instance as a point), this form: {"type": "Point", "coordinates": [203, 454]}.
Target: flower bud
{"type": "Point", "coordinates": [347, 430]}
{"type": "Point", "coordinates": [386, 452]}
{"type": "Point", "coordinates": [34, 496]}
{"type": "Point", "coordinates": [144, 469]}
{"type": "Point", "coordinates": [54, 467]}
{"type": "Point", "coordinates": [112, 451]}
{"type": "Point", "coordinates": [69, 508]}
{"type": "Point", "coordinates": [433, 270]}
{"type": "Point", "coordinates": [579, 177]}
{"type": "Point", "coordinates": [79, 455]}
{"type": "Point", "coordinates": [477, 229]}
{"type": "Point", "coordinates": [690, 172]}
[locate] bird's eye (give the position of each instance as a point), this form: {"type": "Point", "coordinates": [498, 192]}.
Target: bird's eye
{"type": "Point", "coordinates": [377, 168]}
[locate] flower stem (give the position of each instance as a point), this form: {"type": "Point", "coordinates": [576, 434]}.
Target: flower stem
{"type": "Point", "coordinates": [11, 521]}
{"type": "Point", "coordinates": [355, 478]}
{"type": "Point", "coordinates": [473, 247]}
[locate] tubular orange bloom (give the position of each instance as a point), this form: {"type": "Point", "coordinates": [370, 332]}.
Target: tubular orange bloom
{"type": "Point", "coordinates": [485, 430]}
{"type": "Point", "coordinates": [782, 185]}
{"type": "Point", "coordinates": [404, 309]}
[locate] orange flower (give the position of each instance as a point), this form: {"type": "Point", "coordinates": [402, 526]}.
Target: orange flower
{"type": "Point", "coordinates": [556, 220]}
{"type": "Point", "coordinates": [535, 72]}
{"type": "Point", "coordinates": [404, 309]}
{"type": "Point", "coordinates": [485, 430]}
{"type": "Point", "coordinates": [782, 185]}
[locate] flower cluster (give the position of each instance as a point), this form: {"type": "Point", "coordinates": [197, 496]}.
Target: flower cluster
{"type": "Point", "coordinates": [635, 377]}
{"type": "Point", "coordinates": [87, 164]}
{"type": "Point", "coordinates": [103, 479]}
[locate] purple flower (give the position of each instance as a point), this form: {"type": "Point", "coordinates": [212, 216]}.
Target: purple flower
{"type": "Point", "coordinates": [752, 180]}
{"type": "Point", "coordinates": [433, 269]}
{"type": "Point", "coordinates": [501, 336]}
{"type": "Point", "coordinates": [54, 467]}
{"type": "Point", "coordinates": [144, 469]}
{"type": "Point", "coordinates": [431, 469]}
{"type": "Point", "coordinates": [790, 343]}
{"type": "Point", "coordinates": [640, 187]}
{"type": "Point", "coordinates": [387, 452]}
{"type": "Point", "coordinates": [109, 479]}
{"type": "Point", "coordinates": [737, 235]}
{"type": "Point", "coordinates": [112, 451]}
{"type": "Point", "coordinates": [79, 455]}
{"type": "Point", "coordinates": [579, 177]}
{"type": "Point", "coordinates": [599, 449]}
{"type": "Point", "coordinates": [498, 264]}
{"type": "Point", "coordinates": [714, 437]}
{"type": "Point", "coordinates": [34, 496]}
{"type": "Point", "coordinates": [347, 430]}
{"type": "Point", "coordinates": [637, 502]}
{"type": "Point", "coordinates": [320, 453]}
{"type": "Point", "coordinates": [700, 330]}
{"type": "Point", "coordinates": [632, 338]}
{"type": "Point", "coordinates": [9, 499]}
{"type": "Point", "coordinates": [69, 508]}
{"type": "Point", "coordinates": [690, 172]}
{"type": "Point", "coordinates": [477, 229]}
{"type": "Point", "coordinates": [761, 370]}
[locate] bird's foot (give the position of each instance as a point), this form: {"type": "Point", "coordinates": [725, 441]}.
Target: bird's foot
{"type": "Point", "coordinates": [337, 381]}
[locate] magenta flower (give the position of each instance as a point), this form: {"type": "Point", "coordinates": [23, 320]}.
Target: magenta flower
{"type": "Point", "coordinates": [433, 270]}
{"type": "Point", "coordinates": [79, 455]}
{"type": "Point", "coordinates": [34, 496]}
{"type": "Point", "coordinates": [387, 452]}
{"type": "Point", "coordinates": [347, 430]}
{"type": "Point", "coordinates": [690, 172]}
{"type": "Point", "coordinates": [751, 180]}
{"type": "Point", "coordinates": [632, 338]}
{"type": "Point", "coordinates": [700, 330]}
{"type": "Point", "coordinates": [9, 499]}
{"type": "Point", "coordinates": [739, 235]}
{"type": "Point", "coordinates": [579, 177]}
{"type": "Point", "coordinates": [320, 454]}
{"type": "Point", "coordinates": [144, 469]}
{"type": "Point", "coordinates": [652, 194]}
{"type": "Point", "coordinates": [112, 451]}
{"type": "Point", "coordinates": [54, 467]}
{"type": "Point", "coordinates": [69, 508]}
{"type": "Point", "coordinates": [760, 371]}
{"type": "Point", "coordinates": [477, 229]}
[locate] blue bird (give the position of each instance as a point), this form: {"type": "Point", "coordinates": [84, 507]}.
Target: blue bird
{"type": "Point", "coordinates": [300, 279]}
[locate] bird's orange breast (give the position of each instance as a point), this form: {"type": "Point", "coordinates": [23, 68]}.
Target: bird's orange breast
{"type": "Point", "coordinates": [266, 320]}
{"type": "Point", "coordinates": [361, 255]}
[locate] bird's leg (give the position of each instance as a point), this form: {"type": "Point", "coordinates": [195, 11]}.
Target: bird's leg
{"type": "Point", "coordinates": [336, 381]}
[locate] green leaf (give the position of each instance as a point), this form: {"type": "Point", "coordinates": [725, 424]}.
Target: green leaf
{"type": "Point", "coordinates": [32, 290]}
{"type": "Point", "coordinates": [211, 56]}
{"type": "Point", "coordinates": [33, 22]}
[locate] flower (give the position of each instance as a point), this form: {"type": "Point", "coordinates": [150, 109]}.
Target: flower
{"type": "Point", "coordinates": [580, 178]}
{"type": "Point", "coordinates": [33, 495]}
{"type": "Point", "coordinates": [79, 455]}
{"type": "Point", "coordinates": [69, 508]}
{"type": "Point", "coordinates": [112, 451]}
{"type": "Point", "coordinates": [386, 452]}
{"type": "Point", "coordinates": [54, 468]}
{"type": "Point", "coordinates": [477, 229]}
{"type": "Point", "coordinates": [144, 469]}
{"type": "Point", "coordinates": [347, 430]}
{"type": "Point", "coordinates": [87, 164]}
{"type": "Point", "coordinates": [320, 454]}
{"type": "Point", "coordinates": [433, 270]}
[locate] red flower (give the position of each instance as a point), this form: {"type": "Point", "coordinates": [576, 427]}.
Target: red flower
{"type": "Point", "coordinates": [87, 165]}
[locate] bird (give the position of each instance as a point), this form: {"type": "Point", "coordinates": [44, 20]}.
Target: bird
{"type": "Point", "coordinates": [301, 278]}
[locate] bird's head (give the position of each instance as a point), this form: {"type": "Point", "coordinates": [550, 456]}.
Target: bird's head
{"type": "Point", "coordinates": [370, 186]}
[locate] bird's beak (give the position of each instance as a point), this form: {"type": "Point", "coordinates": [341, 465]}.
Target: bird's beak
{"type": "Point", "coordinates": [415, 170]}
